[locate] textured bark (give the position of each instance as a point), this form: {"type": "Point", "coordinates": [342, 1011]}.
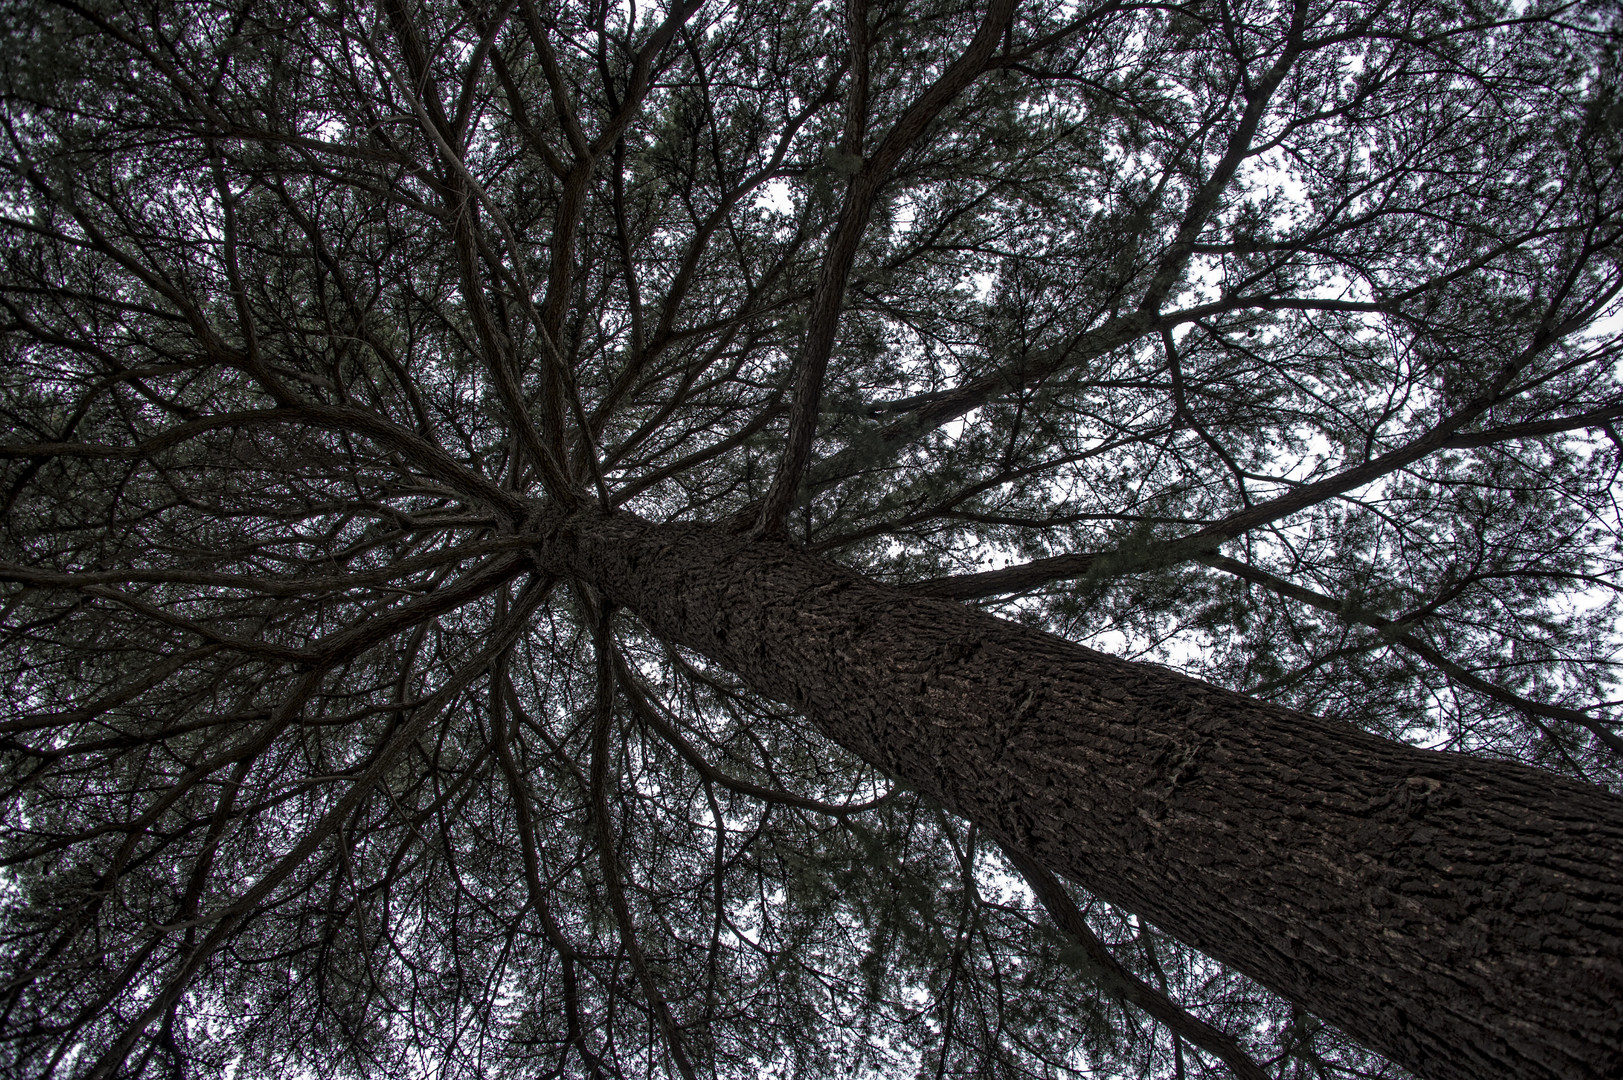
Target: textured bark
{"type": "Point", "coordinates": [1464, 917]}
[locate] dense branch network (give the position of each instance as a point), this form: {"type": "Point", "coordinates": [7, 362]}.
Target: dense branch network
{"type": "Point", "coordinates": [1269, 340]}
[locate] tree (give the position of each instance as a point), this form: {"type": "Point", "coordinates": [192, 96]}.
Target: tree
{"type": "Point", "coordinates": [565, 539]}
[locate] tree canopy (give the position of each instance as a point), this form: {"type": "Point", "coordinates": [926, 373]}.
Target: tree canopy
{"type": "Point", "coordinates": [1271, 342]}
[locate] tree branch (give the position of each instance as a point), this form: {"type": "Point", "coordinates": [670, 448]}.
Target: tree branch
{"type": "Point", "coordinates": [829, 299]}
{"type": "Point", "coordinates": [1121, 983]}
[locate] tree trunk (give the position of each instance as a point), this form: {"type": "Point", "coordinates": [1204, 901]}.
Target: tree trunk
{"type": "Point", "coordinates": [1463, 917]}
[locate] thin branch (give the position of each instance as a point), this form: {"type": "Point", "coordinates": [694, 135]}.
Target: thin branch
{"type": "Point", "coordinates": [1118, 981]}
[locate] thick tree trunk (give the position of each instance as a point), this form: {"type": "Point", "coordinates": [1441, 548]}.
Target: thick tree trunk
{"type": "Point", "coordinates": [1463, 917]}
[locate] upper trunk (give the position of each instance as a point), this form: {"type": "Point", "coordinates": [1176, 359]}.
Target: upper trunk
{"type": "Point", "coordinates": [1463, 917]}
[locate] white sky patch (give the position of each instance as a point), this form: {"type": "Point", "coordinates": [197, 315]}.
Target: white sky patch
{"type": "Point", "coordinates": [1605, 327]}
{"type": "Point", "coordinates": [775, 196]}
{"type": "Point", "coordinates": [906, 214]}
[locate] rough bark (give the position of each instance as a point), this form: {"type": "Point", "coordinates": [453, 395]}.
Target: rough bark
{"type": "Point", "coordinates": [1463, 917]}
